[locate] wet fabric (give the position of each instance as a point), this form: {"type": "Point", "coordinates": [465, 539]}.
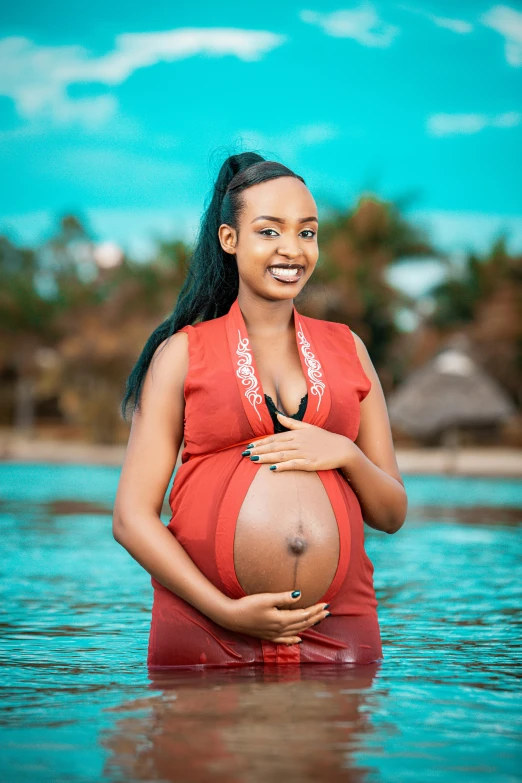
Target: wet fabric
{"type": "Point", "coordinates": [225, 409]}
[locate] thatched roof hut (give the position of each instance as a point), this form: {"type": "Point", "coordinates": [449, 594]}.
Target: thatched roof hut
{"type": "Point", "coordinates": [448, 393]}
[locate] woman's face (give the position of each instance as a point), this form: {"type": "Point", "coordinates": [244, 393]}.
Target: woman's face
{"type": "Point", "coordinates": [276, 248]}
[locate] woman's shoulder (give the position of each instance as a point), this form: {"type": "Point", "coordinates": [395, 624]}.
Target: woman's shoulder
{"type": "Point", "coordinates": [334, 328]}
{"type": "Point", "coordinates": [200, 328]}
{"type": "Point", "coordinates": [171, 355]}
{"type": "Point", "coordinates": [344, 337]}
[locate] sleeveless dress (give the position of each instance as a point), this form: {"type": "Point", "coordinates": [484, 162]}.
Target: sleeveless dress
{"type": "Point", "coordinates": [225, 409]}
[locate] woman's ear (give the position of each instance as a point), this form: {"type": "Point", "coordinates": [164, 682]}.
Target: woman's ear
{"type": "Point", "coordinates": [227, 238]}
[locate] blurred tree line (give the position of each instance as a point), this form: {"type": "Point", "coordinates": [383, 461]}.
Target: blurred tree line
{"type": "Point", "coordinates": [74, 318]}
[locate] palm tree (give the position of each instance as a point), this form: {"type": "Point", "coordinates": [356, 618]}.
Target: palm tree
{"type": "Point", "coordinates": [482, 297]}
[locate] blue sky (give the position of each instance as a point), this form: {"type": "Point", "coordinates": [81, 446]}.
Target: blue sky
{"type": "Point", "coordinates": [123, 112]}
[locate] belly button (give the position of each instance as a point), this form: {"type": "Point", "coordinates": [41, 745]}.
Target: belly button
{"type": "Point", "coordinates": [297, 545]}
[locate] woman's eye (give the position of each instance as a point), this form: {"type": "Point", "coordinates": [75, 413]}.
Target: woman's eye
{"type": "Point", "coordinates": [306, 231]}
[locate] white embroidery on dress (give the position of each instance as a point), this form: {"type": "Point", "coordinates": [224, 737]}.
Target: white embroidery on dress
{"type": "Point", "coordinates": [313, 365]}
{"type": "Point", "coordinates": [246, 373]}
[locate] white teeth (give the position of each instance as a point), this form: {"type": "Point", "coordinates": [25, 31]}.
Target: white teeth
{"type": "Point", "coordinates": [277, 270]}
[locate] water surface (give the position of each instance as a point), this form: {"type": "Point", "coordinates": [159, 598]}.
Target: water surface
{"type": "Point", "coordinates": [78, 703]}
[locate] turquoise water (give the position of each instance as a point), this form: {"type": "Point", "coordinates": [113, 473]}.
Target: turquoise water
{"type": "Point", "coordinates": [79, 705]}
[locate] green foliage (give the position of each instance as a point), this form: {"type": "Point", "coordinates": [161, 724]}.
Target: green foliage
{"type": "Point", "coordinates": [471, 282]}
{"type": "Point", "coordinates": [96, 320]}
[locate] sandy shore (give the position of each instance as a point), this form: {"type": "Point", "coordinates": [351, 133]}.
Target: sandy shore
{"type": "Point", "coordinates": [465, 462]}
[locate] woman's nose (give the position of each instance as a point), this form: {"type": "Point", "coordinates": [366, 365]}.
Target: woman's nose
{"type": "Point", "coordinates": [290, 252]}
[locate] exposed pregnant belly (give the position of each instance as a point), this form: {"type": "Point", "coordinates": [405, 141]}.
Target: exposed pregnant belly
{"type": "Point", "coordinates": [286, 535]}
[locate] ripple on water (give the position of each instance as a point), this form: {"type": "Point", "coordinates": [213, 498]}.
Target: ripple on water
{"type": "Point", "coordinates": [79, 705]}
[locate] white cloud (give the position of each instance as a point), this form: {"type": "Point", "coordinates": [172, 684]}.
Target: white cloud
{"type": "Point", "coordinates": [508, 23]}
{"type": "Point", "coordinates": [455, 25]}
{"type": "Point", "coordinates": [454, 231]}
{"type": "Point", "coordinates": [507, 120]}
{"type": "Point", "coordinates": [287, 145]}
{"type": "Point", "coordinates": [128, 174]}
{"type": "Point", "coordinates": [362, 24]}
{"type": "Point", "coordinates": [450, 124]}
{"type": "Point", "coordinates": [37, 77]}
{"type": "Point", "coordinates": [457, 124]}
{"type": "Point", "coordinates": [318, 133]}
{"type": "Point", "coordinates": [91, 112]}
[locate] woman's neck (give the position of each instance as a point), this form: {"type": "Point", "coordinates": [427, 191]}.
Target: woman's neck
{"type": "Point", "coordinates": [264, 318]}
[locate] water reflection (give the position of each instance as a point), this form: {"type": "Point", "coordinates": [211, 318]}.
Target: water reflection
{"type": "Point", "coordinates": [254, 723]}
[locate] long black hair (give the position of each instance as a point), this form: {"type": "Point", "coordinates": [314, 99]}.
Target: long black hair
{"type": "Point", "coordinates": [212, 281]}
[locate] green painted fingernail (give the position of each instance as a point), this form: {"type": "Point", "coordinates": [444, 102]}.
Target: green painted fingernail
{"type": "Point", "coordinates": [256, 456]}
{"type": "Point", "coordinates": [245, 453]}
{"type": "Point", "coordinates": [250, 446]}
{"type": "Point", "coordinates": [296, 593]}
{"type": "Point", "coordinates": [273, 467]}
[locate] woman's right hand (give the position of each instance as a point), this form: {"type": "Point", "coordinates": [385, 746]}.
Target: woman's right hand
{"type": "Point", "coordinates": [270, 616]}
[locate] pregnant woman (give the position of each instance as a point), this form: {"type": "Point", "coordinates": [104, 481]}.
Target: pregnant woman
{"type": "Point", "coordinates": [286, 446]}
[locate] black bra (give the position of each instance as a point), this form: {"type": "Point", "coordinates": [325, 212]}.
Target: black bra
{"type": "Point", "coordinates": [278, 427]}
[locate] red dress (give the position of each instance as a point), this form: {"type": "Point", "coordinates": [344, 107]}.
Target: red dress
{"type": "Point", "coordinates": [224, 410]}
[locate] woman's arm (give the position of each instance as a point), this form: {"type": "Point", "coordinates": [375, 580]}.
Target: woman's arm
{"type": "Point", "coordinates": [154, 443]}
{"type": "Point", "coordinates": [372, 468]}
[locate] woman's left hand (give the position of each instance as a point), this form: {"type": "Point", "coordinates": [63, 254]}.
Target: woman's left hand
{"type": "Point", "coordinates": [304, 447]}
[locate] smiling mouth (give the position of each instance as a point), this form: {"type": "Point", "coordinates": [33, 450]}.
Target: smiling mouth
{"type": "Point", "coordinates": [289, 273]}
